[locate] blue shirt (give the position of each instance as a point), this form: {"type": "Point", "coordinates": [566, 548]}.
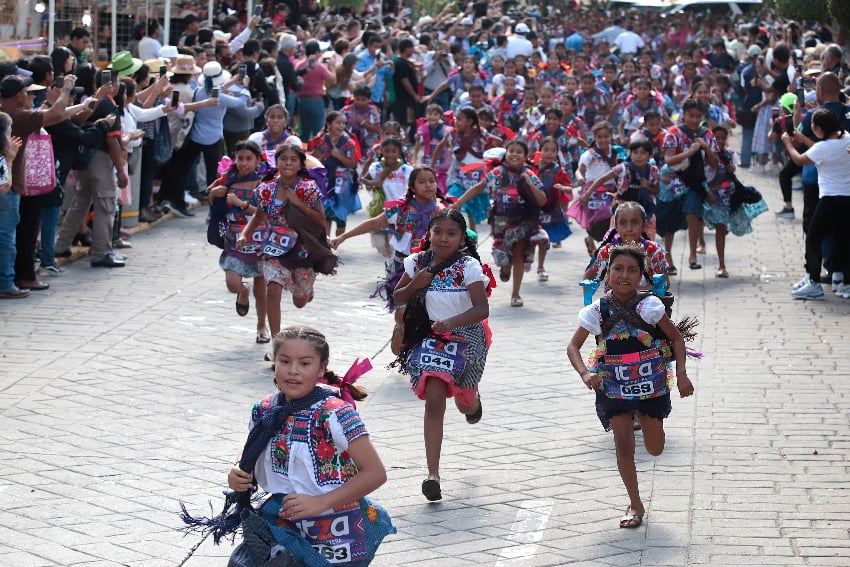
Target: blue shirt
{"type": "Point", "coordinates": [366, 60]}
{"type": "Point", "coordinates": [381, 77]}
{"type": "Point", "coordinates": [576, 42]}
{"type": "Point", "coordinates": [208, 127]}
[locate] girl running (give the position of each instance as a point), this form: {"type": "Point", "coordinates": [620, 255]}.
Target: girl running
{"type": "Point", "coordinates": [428, 136]}
{"type": "Point", "coordinates": [338, 153]}
{"type": "Point", "coordinates": [630, 367]}
{"type": "Point", "coordinates": [388, 178]}
{"type": "Point", "coordinates": [237, 188]}
{"type": "Point", "coordinates": [446, 337]}
{"type": "Point", "coordinates": [276, 133]}
{"type": "Point", "coordinates": [517, 194]}
{"type": "Point", "coordinates": [558, 186]}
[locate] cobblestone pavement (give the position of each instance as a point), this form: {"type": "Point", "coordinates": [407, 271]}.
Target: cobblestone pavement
{"type": "Point", "coordinates": [123, 391]}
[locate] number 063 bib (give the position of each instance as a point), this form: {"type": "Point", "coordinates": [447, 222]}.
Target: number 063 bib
{"type": "Point", "coordinates": [634, 376]}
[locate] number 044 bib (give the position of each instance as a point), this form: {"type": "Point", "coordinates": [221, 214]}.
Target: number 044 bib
{"type": "Point", "coordinates": [634, 376]}
{"type": "Point", "coordinates": [441, 355]}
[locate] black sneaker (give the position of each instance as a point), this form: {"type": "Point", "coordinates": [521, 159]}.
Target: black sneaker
{"type": "Point", "coordinates": [181, 211]}
{"type": "Point", "coordinates": [785, 213]}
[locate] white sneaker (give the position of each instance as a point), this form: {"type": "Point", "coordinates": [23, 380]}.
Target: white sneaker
{"type": "Point", "coordinates": [842, 290]}
{"type": "Point", "coordinates": [800, 283]}
{"type": "Point", "coordinates": [809, 291]}
{"type": "Point", "coordinates": [837, 281]}
{"type": "Point", "coordinates": [190, 200]}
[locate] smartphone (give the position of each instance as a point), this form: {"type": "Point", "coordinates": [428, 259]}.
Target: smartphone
{"type": "Point", "coordinates": [162, 70]}
{"type": "Point", "coordinates": [258, 10]}
{"type": "Point", "coordinates": [243, 70]}
{"type": "Point", "coordinates": [106, 77]}
{"type": "Point", "coordinates": [311, 61]}
{"type": "Point", "coordinates": [789, 125]}
{"type": "Point", "coordinates": [175, 99]}
{"type": "Point", "coordinates": [215, 92]}
{"type": "Point", "coordinates": [801, 97]}
{"type": "Point", "coordinates": [59, 82]}
{"type": "Point", "coordinates": [775, 113]}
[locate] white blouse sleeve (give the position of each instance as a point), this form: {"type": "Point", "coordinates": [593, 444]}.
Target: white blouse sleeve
{"type": "Point", "coordinates": [590, 318]}
{"type": "Point", "coordinates": [472, 272]}
{"type": "Point", "coordinates": [410, 265]}
{"type": "Point", "coordinates": [651, 310]}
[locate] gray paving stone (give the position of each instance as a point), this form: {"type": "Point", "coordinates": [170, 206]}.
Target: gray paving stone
{"type": "Point", "coordinates": [137, 393]}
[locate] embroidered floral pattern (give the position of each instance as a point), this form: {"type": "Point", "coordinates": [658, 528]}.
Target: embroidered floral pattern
{"type": "Point", "coordinates": [306, 189]}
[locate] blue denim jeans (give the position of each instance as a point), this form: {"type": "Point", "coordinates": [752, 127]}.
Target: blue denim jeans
{"type": "Point", "coordinates": [49, 222]}
{"type": "Point", "coordinates": [9, 217]}
{"type": "Point", "coordinates": [311, 112]}
{"type": "Point", "coordinates": [747, 146]}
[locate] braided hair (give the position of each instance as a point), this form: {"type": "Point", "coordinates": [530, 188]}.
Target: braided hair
{"type": "Point", "coordinates": [417, 323]}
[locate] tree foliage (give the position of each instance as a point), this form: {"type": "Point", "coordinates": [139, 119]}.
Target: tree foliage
{"type": "Point", "coordinates": [805, 10]}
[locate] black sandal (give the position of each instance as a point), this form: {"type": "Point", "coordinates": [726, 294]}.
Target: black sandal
{"type": "Point", "coordinates": [431, 490]}
{"type": "Point", "coordinates": [695, 266]}
{"type": "Point", "coordinates": [243, 308]}
{"type": "Point", "coordinates": [475, 417]}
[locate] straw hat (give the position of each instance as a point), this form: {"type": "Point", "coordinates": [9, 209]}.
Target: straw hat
{"type": "Point", "coordinates": [153, 65]}
{"type": "Point", "coordinates": [184, 65]}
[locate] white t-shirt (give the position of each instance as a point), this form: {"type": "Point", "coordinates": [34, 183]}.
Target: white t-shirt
{"type": "Point", "coordinates": [628, 42]}
{"type": "Point", "coordinates": [499, 83]}
{"type": "Point", "coordinates": [444, 298]}
{"type": "Point", "coordinates": [518, 45]}
{"type": "Point", "coordinates": [395, 185]}
{"type": "Point", "coordinates": [833, 163]}
{"type": "Point", "coordinates": [594, 164]}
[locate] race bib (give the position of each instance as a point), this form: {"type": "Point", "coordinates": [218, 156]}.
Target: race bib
{"type": "Point", "coordinates": [509, 202]}
{"type": "Point", "coordinates": [339, 537]}
{"type": "Point", "coordinates": [279, 240]}
{"type": "Point", "coordinates": [545, 218]}
{"type": "Point", "coordinates": [252, 244]}
{"type": "Point", "coordinates": [634, 376]}
{"type": "Point", "coordinates": [722, 194]}
{"type": "Point", "coordinates": [342, 184]}
{"type": "Point", "coordinates": [441, 355]}
{"type": "Point", "coordinates": [470, 177]}
{"type": "Point", "coordinates": [600, 198]}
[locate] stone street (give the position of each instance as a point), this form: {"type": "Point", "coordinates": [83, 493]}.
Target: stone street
{"type": "Point", "coordinates": [124, 391]}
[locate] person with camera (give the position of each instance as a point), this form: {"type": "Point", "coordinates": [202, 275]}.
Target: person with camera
{"type": "Point", "coordinates": [316, 76]}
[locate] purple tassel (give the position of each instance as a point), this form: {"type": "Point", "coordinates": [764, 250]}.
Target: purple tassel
{"type": "Point", "coordinates": [694, 353]}
{"type": "Point", "coordinates": [386, 288]}
{"type": "Point", "coordinates": [223, 525]}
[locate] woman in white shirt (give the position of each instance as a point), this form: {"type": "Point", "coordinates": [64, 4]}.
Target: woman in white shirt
{"type": "Point", "coordinates": [833, 209]}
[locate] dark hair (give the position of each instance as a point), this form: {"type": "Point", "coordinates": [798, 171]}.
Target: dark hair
{"type": "Point", "coordinates": [392, 141]}
{"type": "Point", "coordinates": [643, 143]}
{"type": "Point", "coordinates": [691, 104]}
{"type": "Point", "coordinates": [632, 250]}
{"type": "Point", "coordinates": [411, 181]}
{"type": "Point", "coordinates": [250, 47]}
{"type": "Point", "coordinates": [80, 32]}
{"type": "Point", "coordinates": [320, 343]}
{"type": "Point", "coordinates": [332, 116]}
{"type": "Point", "coordinates": [248, 145]}
{"type": "Point", "coordinates": [827, 121]}
{"type": "Point", "coordinates": [476, 87]}
{"type": "Point", "coordinates": [311, 47]}
{"type": "Point", "coordinates": [205, 35]}
{"type": "Point", "coordinates": [470, 113]}
{"type": "Point", "coordinates": [570, 98]}
{"type": "Point", "coordinates": [405, 44]}
{"type": "Point", "coordinates": [59, 57]}
{"type": "Point", "coordinates": [278, 107]}
{"type": "Point", "coordinates": [362, 90]}
{"type": "Point", "coordinates": [516, 142]}
{"type": "Point", "coordinates": [486, 112]}
{"type": "Point", "coordinates": [153, 25]}
{"type": "Point", "coordinates": [391, 124]}
{"type": "Point", "coordinates": [40, 66]}
{"type": "Point", "coordinates": [291, 147]}
{"type": "Point", "coordinates": [651, 115]}
{"type": "Point", "coordinates": [85, 78]}
{"type": "Point", "coordinates": [129, 85]}
{"type": "Point", "coordinates": [549, 140]}
{"type": "Point", "coordinates": [556, 111]}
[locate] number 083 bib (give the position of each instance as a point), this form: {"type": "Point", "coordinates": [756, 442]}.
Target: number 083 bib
{"type": "Point", "coordinates": [634, 376]}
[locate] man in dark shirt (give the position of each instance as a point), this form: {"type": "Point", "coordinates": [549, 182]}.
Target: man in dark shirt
{"type": "Point", "coordinates": [406, 83]}
{"type": "Point", "coordinates": [16, 101]}
{"type": "Point", "coordinates": [80, 40]}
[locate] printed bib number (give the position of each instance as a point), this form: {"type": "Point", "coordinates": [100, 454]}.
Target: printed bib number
{"type": "Point", "coordinates": [470, 178]}
{"type": "Point", "coordinates": [448, 356]}
{"type": "Point", "coordinates": [338, 537]}
{"type": "Point", "coordinates": [639, 375]}
{"type": "Point", "coordinates": [600, 198]}
{"type": "Point", "coordinates": [279, 240]}
{"type": "Point", "coordinates": [722, 195]}
{"type": "Point", "coordinates": [545, 218]}
{"type": "Point", "coordinates": [509, 202]}
{"type": "Point", "coordinates": [342, 184]}
{"type": "Point", "coordinates": [253, 244]}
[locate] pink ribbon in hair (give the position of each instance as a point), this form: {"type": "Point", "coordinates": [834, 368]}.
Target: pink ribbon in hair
{"type": "Point", "coordinates": [224, 165]}
{"type": "Point", "coordinates": [358, 369]}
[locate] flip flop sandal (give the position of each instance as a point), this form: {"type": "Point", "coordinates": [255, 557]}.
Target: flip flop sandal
{"type": "Point", "coordinates": [505, 273]}
{"type": "Point", "coordinates": [431, 490]}
{"type": "Point", "coordinates": [475, 417]}
{"type": "Point", "coordinates": [242, 308]}
{"type": "Point", "coordinates": [630, 519]}
{"type": "Point", "coordinates": [542, 275]}
{"type": "Point", "coordinates": [695, 266]}
{"type": "Point", "coordinates": [263, 338]}
{"type": "Point", "coordinates": [721, 274]}
{"type": "Point", "coordinates": [516, 302]}
{"type": "Point", "coordinates": [672, 271]}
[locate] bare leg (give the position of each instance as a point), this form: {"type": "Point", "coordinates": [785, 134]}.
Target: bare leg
{"type": "Point", "coordinates": [518, 265]}
{"type": "Point", "coordinates": [435, 411]}
{"type": "Point", "coordinates": [653, 434]}
{"type": "Point", "coordinates": [260, 303]}
{"type": "Point", "coordinates": [470, 223]}
{"type": "Point", "coordinates": [694, 230]}
{"type": "Point", "coordinates": [624, 443]}
{"type": "Point", "coordinates": [668, 246]}
{"type": "Point", "coordinates": [541, 257]}
{"type": "Point", "coordinates": [720, 242]}
{"type": "Point", "coordinates": [273, 294]}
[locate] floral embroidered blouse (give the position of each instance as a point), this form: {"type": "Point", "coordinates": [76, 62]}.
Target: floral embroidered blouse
{"type": "Point", "coordinates": [306, 189]}
{"type": "Point", "coordinates": [407, 222]}
{"type": "Point", "coordinates": [310, 454]}
{"type": "Point", "coordinates": [448, 293]}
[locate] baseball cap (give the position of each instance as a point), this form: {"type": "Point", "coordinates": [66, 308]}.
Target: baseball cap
{"type": "Point", "coordinates": [11, 86]}
{"type": "Point", "coordinates": [521, 28]}
{"type": "Point", "coordinates": [754, 51]}
{"type": "Point", "coordinates": [467, 21]}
